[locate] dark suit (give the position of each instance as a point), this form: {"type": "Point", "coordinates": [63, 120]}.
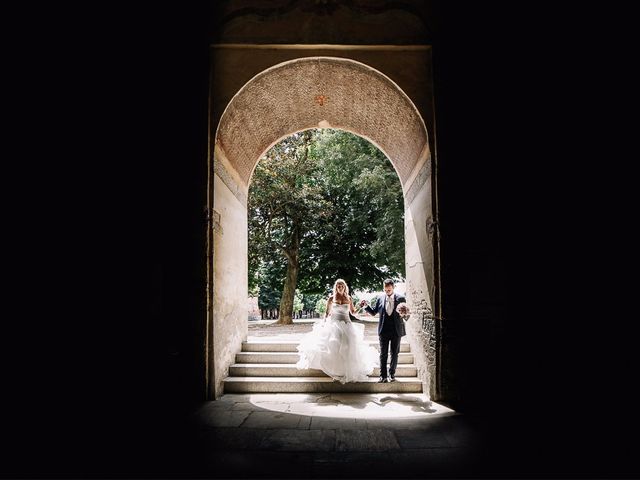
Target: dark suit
{"type": "Point", "coordinates": [390, 331]}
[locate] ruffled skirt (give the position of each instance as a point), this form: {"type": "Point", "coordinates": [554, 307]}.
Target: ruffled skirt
{"type": "Point", "coordinates": [339, 350]}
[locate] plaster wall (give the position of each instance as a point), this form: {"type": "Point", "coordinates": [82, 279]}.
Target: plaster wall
{"type": "Point", "coordinates": [230, 279]}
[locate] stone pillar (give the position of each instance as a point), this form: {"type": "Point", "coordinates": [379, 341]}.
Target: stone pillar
{"type": "Point", "coordinates": [230, 248]}
{"type": "Point", "coordinates": [419, 259]}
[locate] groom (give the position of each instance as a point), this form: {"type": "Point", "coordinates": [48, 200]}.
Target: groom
{"type": "Point", "coordinates": [390, 329]}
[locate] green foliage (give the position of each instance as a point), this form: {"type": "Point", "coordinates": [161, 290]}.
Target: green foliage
{"type": "Point", "coordinates": [284, 197]}
{"type": "Point", "coordinates": [297, 302]}
{"type": "Point", "coordinates": [343, 198]}
{"type": "Point", "coordinates": [321, 306]}
{"type": "Point", "coordinates": [363, 239]}
{"type": "Point", "coordinates": [310, 300]}
{"type": "Point", "coordinates": [270, 278]}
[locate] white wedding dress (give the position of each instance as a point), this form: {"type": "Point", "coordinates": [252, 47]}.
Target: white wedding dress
{"type": "Point", "coordinates": [337, 347]}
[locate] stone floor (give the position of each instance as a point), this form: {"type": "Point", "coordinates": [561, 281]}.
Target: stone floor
{"type": "Point", "coordinates": [333, 436]}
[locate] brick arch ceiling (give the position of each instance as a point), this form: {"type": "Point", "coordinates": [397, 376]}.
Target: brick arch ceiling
{"type": "Point", "coordinates": [323, 92]}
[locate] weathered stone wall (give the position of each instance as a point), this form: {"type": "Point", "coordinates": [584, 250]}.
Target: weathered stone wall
{"type": "Point", "coordinates": [419, 261]}
{"type": "Point", "coordinates": [230, 324]}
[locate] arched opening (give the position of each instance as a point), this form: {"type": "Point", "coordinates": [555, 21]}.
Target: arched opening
{"type": "Point", "coordinates": [323, 204]}
{"type": "Point", "coordinates": [296, 95]}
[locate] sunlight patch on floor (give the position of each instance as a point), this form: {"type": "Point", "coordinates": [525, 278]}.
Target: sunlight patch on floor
{"type": "Point", "coordinates": [352, 405]}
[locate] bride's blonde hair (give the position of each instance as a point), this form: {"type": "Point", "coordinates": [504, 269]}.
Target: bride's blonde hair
{"type": "Point", "coordinates": [335, 290]}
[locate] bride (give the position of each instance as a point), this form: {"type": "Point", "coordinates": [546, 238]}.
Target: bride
{"type": "Point", "coordinates": [336, 346]}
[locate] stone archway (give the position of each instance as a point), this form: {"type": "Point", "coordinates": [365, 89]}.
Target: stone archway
{"type": "Point", "coordinates": [312, 92]}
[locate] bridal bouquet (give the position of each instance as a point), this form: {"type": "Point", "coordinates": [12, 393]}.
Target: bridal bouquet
{"type": "Point", "coordinates": [402, 309]}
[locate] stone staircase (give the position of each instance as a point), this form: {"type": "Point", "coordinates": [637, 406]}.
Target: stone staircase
{"type": "Point", "coordinates": [267, 365]}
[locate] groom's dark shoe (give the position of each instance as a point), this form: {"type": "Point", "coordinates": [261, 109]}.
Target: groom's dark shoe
{"type": "Point", "coordinates": [382, 380]}
{"type": "Point", "coordinates": [392, 378]}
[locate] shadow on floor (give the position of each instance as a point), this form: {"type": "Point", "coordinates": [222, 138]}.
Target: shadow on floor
{"type": "Point", "coordinates": [331, 436]}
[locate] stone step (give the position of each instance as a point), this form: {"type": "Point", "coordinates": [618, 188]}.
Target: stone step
{"type": "Point", "coordinates": [288, 370]}
{"type": "Point", "coordinates": [295, 337]}
{"type": "Point", "coordinates": [318, 384]}
{"type": "Point", "coordinates": [293, 357]}
{"type": "Point", "coordinates": [290, 346]}
{"type": "Point", "coordinates": [369, 337]}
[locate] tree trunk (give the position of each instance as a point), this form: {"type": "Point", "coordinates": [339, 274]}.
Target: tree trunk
{"type": "Point", "coordinates": [290, 281]}
{"type": "Point", "coordinates": [288, 293]}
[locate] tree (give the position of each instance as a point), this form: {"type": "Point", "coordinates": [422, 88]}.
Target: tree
{"type": "Point", "coordinates": [310, 301]}
{"type": "Point", "coordinates": [363, 240]}
{"type": "Point", "coordinates": [285, 198]}
{"type": "Point", "coordinates": [324, 204]}
{"type": "Point", "coordinates": [321, 306]}
{"type": "Point", "coordinates": [269, 277]}
{"type": "Point", "coordinates": [297, 301]}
